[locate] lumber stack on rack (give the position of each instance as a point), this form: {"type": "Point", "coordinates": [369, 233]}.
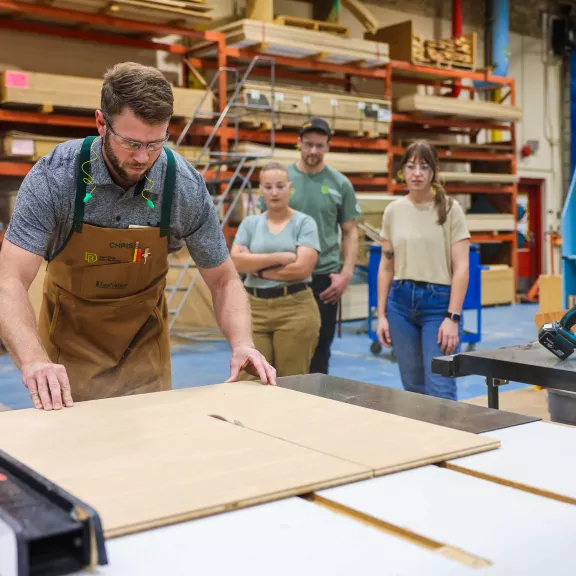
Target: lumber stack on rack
{"type": "Point", "coordinates": [331, 27]}
{"type": "Point", "coordinates": [25, 146]}
{"type": "Point", "coordinates": [275, 39]}
{"type": "Point", "coordinates": [479, 177]}
{"type": "Point", "coordinates": [444, 106]}
{"type": "Point", "coordinates": [349, 163]}
{"type": "Point", "coordinates": [358, 115]}
{"type": "Point", "coordinates": [49, 91]}
{"type": "Point", "coordinates": [183, 13]}
{"type": "Point", "coordinates": [408, 46]}
{"type": "Point", "coordinates": [491, 222]}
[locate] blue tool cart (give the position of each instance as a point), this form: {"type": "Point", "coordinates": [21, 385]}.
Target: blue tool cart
{"type": "Point", "coordinates": [472, 300]}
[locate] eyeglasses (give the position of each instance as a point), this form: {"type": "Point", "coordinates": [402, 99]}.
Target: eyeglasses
{"type": "Point", "coordinates": [280, 186]}
{"type": "Point", "coordinates": [424, 168]}
{"type": "Point", "coordinates": [310, 145]}
{"type": "Point", "coordinates": [134, 146]}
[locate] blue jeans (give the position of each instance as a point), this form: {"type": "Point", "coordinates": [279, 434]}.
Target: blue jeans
{"type": "Point", "coordinates": [415, 312]}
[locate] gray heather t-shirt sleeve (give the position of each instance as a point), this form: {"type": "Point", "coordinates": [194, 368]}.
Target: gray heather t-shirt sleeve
{"type": "Point", "coordinates": [308, 233]}
{"type": "Point", "coordinates": [198, 219]}
{"type": "Point", "coordinates": [34, 221]}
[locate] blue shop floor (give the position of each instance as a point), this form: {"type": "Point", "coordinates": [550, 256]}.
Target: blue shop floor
{"type": "Point", "coordinates": [207, 362]}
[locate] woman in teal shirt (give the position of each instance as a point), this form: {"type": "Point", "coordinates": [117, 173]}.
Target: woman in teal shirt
{"type": "Point", "coordinates": [277, 250]}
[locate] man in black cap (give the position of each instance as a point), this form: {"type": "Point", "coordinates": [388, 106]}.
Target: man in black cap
{"type": "Point", "coordinates": [327, 196]}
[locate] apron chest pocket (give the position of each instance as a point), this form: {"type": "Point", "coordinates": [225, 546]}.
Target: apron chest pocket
{"type": "Point", "coordinates": [111, 280]}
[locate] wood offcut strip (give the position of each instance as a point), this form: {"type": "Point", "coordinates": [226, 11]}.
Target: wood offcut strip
{"type": "Point", "coordinates": [445, 550]}
{"type": "Point", "coordinates": [509, 483]}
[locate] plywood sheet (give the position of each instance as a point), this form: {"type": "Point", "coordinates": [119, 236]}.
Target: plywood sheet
{"type": "Point", "coordinates": [38, 89]}
{"type": "Point", "coordinates": [478, 177]}
{"type": "Point", "coordinates": [151, 463]}
{"type": "Point", "coordinates": [458, 107]}
{"type": "Point", "coordinates": [276, 39]}
{"type": "Point", "coordinates": [294, 105]}
{"type": "Point", "coordinates": [349, 163]}
{"type": "Point", "coordinates": [384, 442]}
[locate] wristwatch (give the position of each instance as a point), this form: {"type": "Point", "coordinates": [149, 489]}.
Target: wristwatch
{"type": "Point", "coordinates": [454, 317]}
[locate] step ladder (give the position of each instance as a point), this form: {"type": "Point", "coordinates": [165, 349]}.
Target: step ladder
{"type": "Point", "coordinates": [215, 167]}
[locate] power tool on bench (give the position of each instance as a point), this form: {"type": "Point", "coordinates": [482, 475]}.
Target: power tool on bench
{"type": "Point", "coordinates": [558, 336]}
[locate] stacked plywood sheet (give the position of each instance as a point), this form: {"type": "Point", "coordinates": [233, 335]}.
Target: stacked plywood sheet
{"type": "Point", "coordinates": [478, 177]}
{"type": "Point", "coordinates": [490, 222]}
{"type": "Point", "coordinates": [172, 456]}
{"type": "Point", "coordinates": [349, 163]}
{"type": "Point", "coordinates": [279, 40]}
{"type": "Point", "coordinates": [293, 106]}
{"type": "Point", "coordinates": [182, 13]}
{"type": "Point", "coordinates": [26, 146]}
{"type": "Point", "coordinates": [49, 91]}
{"type": "Point", "coordinates": [439, 105]}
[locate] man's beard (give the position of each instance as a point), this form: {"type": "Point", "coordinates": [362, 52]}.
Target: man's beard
{"type": "Point", "coordinates": [312, 161]}
{"type": "Point", "coordinates": [115, 162]}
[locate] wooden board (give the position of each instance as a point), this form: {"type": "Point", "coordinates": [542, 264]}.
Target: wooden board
{"type": "Point", "coordinates": [156, 459]}
{"type": "Point", "coordinates": [343, 430]}
{"type": "Point", "coordinates": [25, 146]}
{"type": "Point", "coordinates": [279, 40]}
{"type": "Point", "coordinates": [157, 465]}
{"type": "Point", "coordinates": [478, 177]}
{"type": "Point", "coordinates": [490, 222]}
{"type": "Point", "coordinates": [25, 88]}
{"type": "Point", "coordinates": [294, 105]}
{"type": "Point", "coordinates": [438, 105]}
{"type": "Point", "coordinates": [184, 14]}
{"type": "Point", "coordinates": [349, 163]}
{"type": "Point", "coordinates": [318, 25]}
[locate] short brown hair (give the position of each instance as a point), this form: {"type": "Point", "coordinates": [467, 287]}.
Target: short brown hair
{"type": "Point", "coordinates": [273, 166]}
{"type": "Point", "coordinates": [143, 89]}
{"type": "Point", "coordinates": [426, 152]}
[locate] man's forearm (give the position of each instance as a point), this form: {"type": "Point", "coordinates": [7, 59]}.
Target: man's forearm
{"type": "Point", "coordinates": [18, 327]}
{"type": "Point", "coordinates": [458, 289]}
{"type": "Point", "coordinates": [349, 251]}
{"type": "Point", "coordinates": [232, 311]}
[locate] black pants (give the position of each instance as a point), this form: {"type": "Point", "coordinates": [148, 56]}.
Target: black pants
{"type": "Point", "coordinates": [328, 317]}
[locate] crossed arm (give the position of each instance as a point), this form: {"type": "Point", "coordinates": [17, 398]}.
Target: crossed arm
{"type": "Point", "coordinates": [284, 266]}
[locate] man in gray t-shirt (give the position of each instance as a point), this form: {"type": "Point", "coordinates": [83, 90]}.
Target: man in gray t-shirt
{"type": "Point", "coordinates": [105, 213]}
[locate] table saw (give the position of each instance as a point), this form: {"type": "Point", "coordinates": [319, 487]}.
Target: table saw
{"type": "Point", "coordinates": [528, 363]}
{"type": "Point", "coordinates": [500, 512]}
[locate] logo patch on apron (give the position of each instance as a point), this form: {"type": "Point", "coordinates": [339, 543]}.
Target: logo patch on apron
{"type": "Point", "coordinates": [90, 257]}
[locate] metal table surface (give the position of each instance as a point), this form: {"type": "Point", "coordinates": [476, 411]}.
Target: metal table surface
{"type": "Point", "coordinates": [465, 417]}
{"type": "Point", "coordinates": [528, 363]}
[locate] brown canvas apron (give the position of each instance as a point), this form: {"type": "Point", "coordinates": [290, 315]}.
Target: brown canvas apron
{"type": "Point", "coordinates": [103, 316]}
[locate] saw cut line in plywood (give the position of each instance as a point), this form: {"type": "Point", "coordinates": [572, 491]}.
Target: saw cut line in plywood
{"type": "Point", "coordinates": [458, 107]}
{"type": "Point", "coordinates": [349, 163]}
{"type": "Point", "coordinates": [294, 105]}
{"type": "Point", "coordinates": [384, 442]}
{"type": "Point", "coordinates": [275, 39]}
{"type": "Point", "coordinates": [159, 465]}
{"type": "Point", "coordinates": [24, 88]}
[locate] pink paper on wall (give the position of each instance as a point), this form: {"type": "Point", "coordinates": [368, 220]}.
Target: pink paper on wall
{"type": "Point", "coordinates": [15, 79]}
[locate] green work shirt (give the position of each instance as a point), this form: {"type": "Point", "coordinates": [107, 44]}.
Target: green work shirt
{"type": "Point", "coordinates": [330, 199]}
{"type": "Point", "coordinates": [255, 234]}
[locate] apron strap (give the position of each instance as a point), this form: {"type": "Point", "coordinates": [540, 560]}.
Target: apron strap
{"type": "Point", "coordinates": [81, 184]}
{"type": "Point", "coordinates": [168, 195]}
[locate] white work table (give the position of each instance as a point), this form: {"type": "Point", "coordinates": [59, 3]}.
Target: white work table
{"type": "Point", "coordinates": [512, 530]}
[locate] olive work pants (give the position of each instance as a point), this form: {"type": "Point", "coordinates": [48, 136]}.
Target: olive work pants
{"type": "Point", "coordinates": [285, 330]}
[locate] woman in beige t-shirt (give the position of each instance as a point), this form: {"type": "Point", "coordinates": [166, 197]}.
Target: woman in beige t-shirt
{"type": "Point", "coordinates": [423, 275]}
